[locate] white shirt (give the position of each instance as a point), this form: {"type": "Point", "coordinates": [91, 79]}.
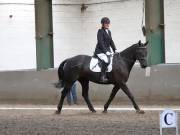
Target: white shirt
{"type": "Point", "coordinates": [107, 31]}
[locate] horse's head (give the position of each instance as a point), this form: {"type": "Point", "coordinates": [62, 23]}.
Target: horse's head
{"type": "Point", "coordinates": [141, 54]}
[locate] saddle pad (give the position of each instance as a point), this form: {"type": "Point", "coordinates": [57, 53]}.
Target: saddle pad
{"type": "Point", "coordinates": [94, 67]}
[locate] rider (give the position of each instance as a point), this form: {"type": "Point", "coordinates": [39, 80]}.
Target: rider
{"type": "Point", "coordinates": [104, 46]}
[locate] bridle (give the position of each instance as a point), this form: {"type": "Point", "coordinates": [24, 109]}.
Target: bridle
{"type": "Point", "coordinates": [143, 47]}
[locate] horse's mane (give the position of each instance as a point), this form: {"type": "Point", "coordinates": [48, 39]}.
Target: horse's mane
{"type": "Point", "coordinates": [127, 50]}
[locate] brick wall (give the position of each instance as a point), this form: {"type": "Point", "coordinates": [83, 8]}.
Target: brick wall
{"type": "Point", "coordinates": [75, 31]}
{"type": "Point", "coordinates": [17, 35]}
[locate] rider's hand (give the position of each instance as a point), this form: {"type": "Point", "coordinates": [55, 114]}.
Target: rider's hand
{"type": "Point", "coordinates": [115, 51]}
{"type": "Point", "coordinates": [108, 53]}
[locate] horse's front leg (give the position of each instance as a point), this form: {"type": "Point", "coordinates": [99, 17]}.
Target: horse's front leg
{"type": "Point", "coordinates": [113, 93]}
{"type": "Point", "coordinates": [63, 95]}
{"type": "Point", "coordinates": [131, 97]}
{"type": "Point", "coordinates": [85, 91]}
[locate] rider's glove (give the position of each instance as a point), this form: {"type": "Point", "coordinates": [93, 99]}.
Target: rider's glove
{"type": "Point", "coordinates": [108, 53]}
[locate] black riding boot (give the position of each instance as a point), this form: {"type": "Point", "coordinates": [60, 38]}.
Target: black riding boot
{"type": "Point", "coordinates": [103, 72]}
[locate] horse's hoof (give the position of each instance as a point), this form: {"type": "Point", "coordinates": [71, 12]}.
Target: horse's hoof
{"type": "Point", "coordinates": [105, 111]}
{"type": "Point", "coordinates": [140, 111]}
{"type": "Point", "coordinates": [93, 111]}
{"type": "Point", "coordinates": [57, 112]}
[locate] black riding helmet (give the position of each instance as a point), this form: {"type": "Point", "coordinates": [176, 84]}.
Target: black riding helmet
{"type": "Point", "coordinates": [105, 20]}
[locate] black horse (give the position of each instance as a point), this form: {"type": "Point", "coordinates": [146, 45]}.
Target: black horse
{"type": "Point", "coordinates": [77, 68]}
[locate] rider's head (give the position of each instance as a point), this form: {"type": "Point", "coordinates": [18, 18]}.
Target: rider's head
{"type": "Point", "coordinates": [105, 21]}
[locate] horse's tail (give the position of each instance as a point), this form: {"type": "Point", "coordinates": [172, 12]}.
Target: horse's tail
{"type": "Point", "coordinates": [60, 83]}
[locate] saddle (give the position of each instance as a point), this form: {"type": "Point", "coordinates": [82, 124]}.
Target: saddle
{"type": "Point", "coordinates": [96, 64]}
{"type": "Point", "coordinates": [100, 62]}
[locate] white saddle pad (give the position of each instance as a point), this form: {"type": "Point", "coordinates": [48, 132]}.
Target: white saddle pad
{"type": "Point", "coordinates": [95, 67]}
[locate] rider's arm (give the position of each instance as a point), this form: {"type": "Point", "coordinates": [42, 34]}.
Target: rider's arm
{"type": "Point", "coordinates": [112, 43]}
{"type": "Point", "coordinates": [101, 41]}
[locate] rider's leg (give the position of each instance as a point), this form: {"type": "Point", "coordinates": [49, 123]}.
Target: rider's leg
{"type": "Point", "coordinates": [103, 72]}
{"type": "Point", "coordinates": [105, 63]}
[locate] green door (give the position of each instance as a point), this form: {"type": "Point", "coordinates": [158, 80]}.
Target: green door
{"type": "Point", "coordinates": [44, 34]}
{"type": "Point", "coordinates": [154, 17]}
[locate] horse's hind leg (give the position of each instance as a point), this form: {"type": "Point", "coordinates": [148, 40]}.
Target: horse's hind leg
{"type": "Point", "coordinates": [85, 90]}
{"type": "Point", "coordinates": [66, 89]}
{"type": "Point", "coordinates": [113, 93]}
{"type": "Point", "coordinates": [131, 97]}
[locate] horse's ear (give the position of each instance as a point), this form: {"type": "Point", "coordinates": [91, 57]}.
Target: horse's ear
{"type": "Point", "coordinates": [139, 42]}
{"type": "Point", "coordinates": [146, 43]}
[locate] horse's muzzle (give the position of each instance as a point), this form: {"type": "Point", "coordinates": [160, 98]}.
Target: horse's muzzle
{"type": "Point", "coordinates": [143, 63]}
{"type": "Point", "coordinates": [144, 66]}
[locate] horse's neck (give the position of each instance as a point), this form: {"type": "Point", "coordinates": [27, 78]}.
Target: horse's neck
{"type": "Point", "coordinates": [129, 58]}
{"type": "Point", "coordinates": [130, 64]}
